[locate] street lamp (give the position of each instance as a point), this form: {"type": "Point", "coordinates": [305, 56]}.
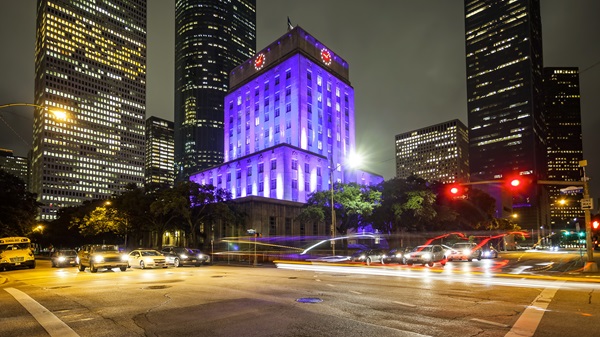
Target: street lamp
{"type": "Point", "coordinates": [353, 161]}
{"type": "Point", "coordinates": [57, 113]}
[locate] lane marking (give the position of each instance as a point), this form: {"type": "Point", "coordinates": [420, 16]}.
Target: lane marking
{"type": "Point", "coordinates": [529, 320]}
{"type": "Point", "coordinates": [405, 304]}
{"type": "Point", "coordinates": [52, 324]}
{"type": "Point", "coordinates": [355, 292]}
{"type": "Point", "coordinates": [490, 322]}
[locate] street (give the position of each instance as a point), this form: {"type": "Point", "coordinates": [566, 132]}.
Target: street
{"type": "Point", "coordinates": [483, 298]}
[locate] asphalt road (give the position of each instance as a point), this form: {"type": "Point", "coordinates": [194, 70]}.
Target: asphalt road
{"type": "Point", "coordinates": [511, 296]}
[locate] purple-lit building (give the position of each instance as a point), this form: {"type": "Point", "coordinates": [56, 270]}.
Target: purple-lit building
{"type": "Point", "coordinates": [289, 123]}
{"type": "Point", "coordinates": [289, 131]}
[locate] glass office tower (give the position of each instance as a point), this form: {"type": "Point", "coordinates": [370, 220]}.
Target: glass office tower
{"type": "Point", "coordinates": [504, 100]}
{"type": "Point", "coordinates": [211, 38]}
{"type": "Point", "coordinates": [160, 152]}
{"type": "Point", "coordinates": [90, 62]}
{"type": "Point", "coordinates": [565, 148]}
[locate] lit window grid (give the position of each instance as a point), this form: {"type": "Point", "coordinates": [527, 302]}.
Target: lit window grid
{"type": "Point", "coordinates": [103, 140]}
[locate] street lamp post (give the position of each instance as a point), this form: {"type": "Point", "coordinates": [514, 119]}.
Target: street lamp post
{"type": "Point", "coordinates": [354, 161]}
{"type": "Point", "coordinates": [60, 114]}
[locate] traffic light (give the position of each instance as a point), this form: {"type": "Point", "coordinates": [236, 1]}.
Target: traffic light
{"type": "Point", "coordinates": [595, 222]}
{"type": "Point", "coordinates": [457, 191]}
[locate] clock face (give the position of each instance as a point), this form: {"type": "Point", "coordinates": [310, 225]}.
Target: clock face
{"type": "Point", "coordinates": [326, 56]}
{"type": "Point", "coordinates": [259, 62]}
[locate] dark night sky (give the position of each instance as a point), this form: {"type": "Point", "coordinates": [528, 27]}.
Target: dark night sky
{"type": "Point", "coordinates": [407, 63]}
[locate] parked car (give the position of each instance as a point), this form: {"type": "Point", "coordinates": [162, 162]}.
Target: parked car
{"type": "Point", "coordinates": [464, 251]}
{"type": "Point", "coordinates": [101, 256]}
{"type": "Point", "coordinates": [180, 256]}
{"type": "Point", "coordinates": [369, 256]}
{"type": "Point", "coordinates": [427, 255]}
{"type": "Point", "coordinates": [63, 257]}
{"type": "Point", "coordinates": [489, 252]}
{"type": "Point", "coordinates": [147, 258]}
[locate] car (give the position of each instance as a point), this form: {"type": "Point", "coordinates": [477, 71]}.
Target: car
{"type": "Point", "coordinates": [181, 256]}
{"type": "Point", "coordinates": [397, 255]}
{"type": "Point", "coordinates": [147, 258]}
{"type": "Point", "coordinates": [489, 252]}
{"type": "Point", "coordinates": [464, 251]}
{"type": "Point", "coordinates": [101, 256]}
{"type": "Point", "coordinates": [369, 256]}
{"type": "Point", "coordinates": [63, 257]}
{"type": "Point", "coordinates": [427, 255]}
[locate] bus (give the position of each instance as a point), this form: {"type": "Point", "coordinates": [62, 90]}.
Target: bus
{"type": "Point", "coordinates": [16, 252]}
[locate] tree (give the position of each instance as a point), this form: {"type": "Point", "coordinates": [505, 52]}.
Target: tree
{"type": "Point", "coordinates": [352, 204]}
{"type": "Point", "coordinates": [408, 205]}
{"type": "Point", "coordinates": [18, 207]}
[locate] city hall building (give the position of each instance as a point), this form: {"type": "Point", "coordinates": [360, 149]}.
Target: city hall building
{"type": "Point", "coordinates": [289, 130]}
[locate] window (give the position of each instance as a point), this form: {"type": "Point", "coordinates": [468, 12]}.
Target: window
{"type": "Point", "coordinates": [273, 184]}
{"type": "Point", "coordinates": [306, 167]}
{"type": "Point", "coordinates": [309, 76]}
{"type": "Point", "coordinates": [294, 184]}
{"type": "Point", "coordinates": [267, 116]}
{"type": "Point", "coordinates": [274, 164]}
{"type": "Point", "coordinates": [272, 226]}
{"type": "Point", "coordinates": [276, 80]}
{"type": "Point", "coordinates": [228, 176]}
{"type": "Point", "coordinates": [249, 171]}
{"type": "Point", "coordinates": [288, 74]}
{"type": "Point", "coordinates": [277, 112]}
{"type": "Point", "coordinates": [267, 133]}
{"type": "Point", "coordinates": [261, 167]}
{"type": "Point", "coordinates": [288, 107]}
{"type": "Point", "coordinates": [288, 91]}
{"type": "Point", "coordinates": [238, 174]}
{"type": "Point", "coordinates": [318, 171]}
{"type": "Point", "coordinates": [277, 128]}
{"type": "Point", "coordinates": [294, 164]}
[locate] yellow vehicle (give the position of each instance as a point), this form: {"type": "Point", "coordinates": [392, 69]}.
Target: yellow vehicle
{"type": "Point", "coordinates": [16, 252]}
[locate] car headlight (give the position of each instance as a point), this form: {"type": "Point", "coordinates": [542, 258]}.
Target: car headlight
{"type": "Point", "coordinates": [148, 260]}
{"type": "Point", "coordinates": [124, 257]}
{"type": "Point", "coordinates": [200, 256]}
{"type": "Point", "coordinates": [98, 258]}
{"type": "Point", "coordinates": [362, 257]}
{"type": "Point", "coordinates": [467, 251]}
{"type": "Point", "coordinates": [61, 259]}
{"type": "Point", "coordinates": [183, 256]}
{"type": "Point", "coordinates": [426, 256]}
{"type": "Point", "coordinates": [399, 255]}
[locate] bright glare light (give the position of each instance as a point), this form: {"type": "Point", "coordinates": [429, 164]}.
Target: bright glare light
{"type": "Point", "coordinates": [58, 114]}
{"type": "Point", "coordinates": [354, 160]}
{"type": "Point", "coordinates": [454, 190]}
{"type": "Point", "coordinates": [515, 182]}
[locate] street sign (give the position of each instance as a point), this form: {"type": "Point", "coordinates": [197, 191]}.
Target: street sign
{"type": "Point", "coordinates": [571, 190]}
{"type": "Point", "coordinates": [251, 231]}
{"type": "Point", "coordinates": [587, 204]}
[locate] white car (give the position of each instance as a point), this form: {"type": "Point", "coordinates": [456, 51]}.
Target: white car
{"type": "Point", "coordinates": [146, 258]}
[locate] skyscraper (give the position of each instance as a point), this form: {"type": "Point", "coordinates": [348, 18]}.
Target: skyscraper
{"type": "Point", "coordinates": [436, 153]}
{"type": "Point", "coordinates": [289, 123]}
{"type": "Point", "coordinates": [565, 148]}
{"type": "Point", "coordinates": [90, 61]}
{"type": "Point", "coordinates": [504, 100]}
{"type": "Point", "coordinates": [15, 165]}
{"type": "Point", "coordinates": [211, 38]}
{"type": "Point", "coordinates": [160, 152]}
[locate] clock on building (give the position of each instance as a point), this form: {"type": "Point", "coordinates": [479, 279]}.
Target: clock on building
{"type": "Point", "coordinates": [326, 56]}
{"type": "Point", "coordinates": [259, 61]}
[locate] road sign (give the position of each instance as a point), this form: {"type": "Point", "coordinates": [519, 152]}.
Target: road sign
{"type": "Point", "coordinates": [571, 190]}
{"type": "Point", "coordinates": [587, 204]}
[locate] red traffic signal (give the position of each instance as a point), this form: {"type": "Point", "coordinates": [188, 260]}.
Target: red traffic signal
{"type": "Point", "coordinates": [595, 221]}
{"type": "Point", "coordinates": [456, 191]}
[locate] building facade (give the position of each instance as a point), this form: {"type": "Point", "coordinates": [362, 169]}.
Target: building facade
{"type": "Point", "coordinates": [160, 152]}
{"type": "Point", "coordinates": [504, 100]}
{"type": "Point", "coordinates": [211, 38]}
{"type": "Point", "coordinates": [565, 147]}
{"type": "Point", "coordinates": [15, 165]}
{"type": "Point", "coordinates": [289, 121]}
{"type": "Point", "coordinates": [435, 153]}
{"type": "Point", "coordinates": [90, 62]}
